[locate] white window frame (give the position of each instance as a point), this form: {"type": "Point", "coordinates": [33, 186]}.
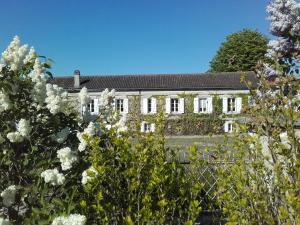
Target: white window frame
{"type": "Point", "coordinates": [148, 105]}
{"type": "Point", "coordinates": [202, 101]}
{"type": "Point", "coordinates": [174, 107]}
{"type": "Point", "coordinates": [119, 107]}
{"type": "Point", "coordinates": [147, 127]}
{"type": "Point", "coordinates": [231, 105]}
{"type": "Point", "coordinates": [91, 106]}
{"type": "Point", "coordinates": [229, 127]}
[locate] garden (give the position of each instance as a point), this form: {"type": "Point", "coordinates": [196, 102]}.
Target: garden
{"type": "Point", "coordinates": [62, 167]}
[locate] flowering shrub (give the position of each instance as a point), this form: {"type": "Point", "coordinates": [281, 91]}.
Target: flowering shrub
{"type": "Point", "coordinates": [261, 186]}
{"type": "Point", "coordinates": [61, 166]}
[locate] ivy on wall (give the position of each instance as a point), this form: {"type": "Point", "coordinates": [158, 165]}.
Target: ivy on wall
{"type": "Point", "coordinates": [188, 123]}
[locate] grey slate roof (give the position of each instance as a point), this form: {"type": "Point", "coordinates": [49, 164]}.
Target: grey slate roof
{"type": "Point", "coordinates": [204, 81]}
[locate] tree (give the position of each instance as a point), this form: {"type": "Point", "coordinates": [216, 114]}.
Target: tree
{"type": "Point", "coordinates": [261, 185]}
{"type": "Point", "coordinates": [240, 52]}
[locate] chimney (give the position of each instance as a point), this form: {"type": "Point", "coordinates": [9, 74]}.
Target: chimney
{"type": "Point", "coordinates": [77, 79]}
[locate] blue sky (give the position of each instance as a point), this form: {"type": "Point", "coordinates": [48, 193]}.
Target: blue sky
{"type": "Point", "coordinates": [128, 36]}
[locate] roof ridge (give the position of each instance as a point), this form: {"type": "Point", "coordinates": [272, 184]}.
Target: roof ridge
{"type": "Point", "coordinates": [158, 74]}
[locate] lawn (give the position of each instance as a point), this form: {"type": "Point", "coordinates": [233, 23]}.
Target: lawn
{"type": "Point", "coordinates": [200, 141]}
{"type": "Point", "coordinates": [208, 143]}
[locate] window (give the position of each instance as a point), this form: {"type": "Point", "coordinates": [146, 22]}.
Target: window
{"type": "Point", "coordinates": [228, 127]}
{"type": "Point", "coordinates": [149, 105]}
{"type": "Point", "coordinates": [202, 105]}
{"type": "Point", "coordinates": [174, 105]}
{"type": "Point", "coordinates": [147, 127]}
{"type": "Point", "coordinates": [231, 105]}
{"type": "Point", "coordinates": [91, 106]}
{"type": "Point", "coordinates": [120, 105]}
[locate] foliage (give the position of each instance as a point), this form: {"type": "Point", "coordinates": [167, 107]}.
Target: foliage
{"type": "Point", "coordinates": [59, 167]}
{"type": "Point", "coordinates": [261, 184]}
{"type": "Point", "coordinates": [141, 183]}
{"type": "Point", "coordinates": [240, 52]}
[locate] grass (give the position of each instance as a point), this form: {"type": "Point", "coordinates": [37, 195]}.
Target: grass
{"type": "Point", "coordinates": [200, 141]}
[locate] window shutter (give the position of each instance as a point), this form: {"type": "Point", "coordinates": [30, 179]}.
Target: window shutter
{"type": "Point", "coordinates": [142, 126]}
{"type": "Point", "coordinates": [125, 102]}
{"type": "Point", "coordinates": [225, 110]}
{"type": "Point", "coordinates": [144, 105]}
{"type": "Point", "coordinates": [153, 105]}
{"type": "Point", "coordinates": [181, 105]}
{"type": "Point", "coordinates": [168, 105]}
{"type": "Point", "coordinates": [83, 109]}
{"type": "Point", "coordinates": [152, 127]}
{"type": "Point", "coordinates": [196, 105]}
{"type": "Point", "coordinates": [209, 105]}
{"type": "Point", "coordinates": [96, 106]}
{"type": "Point", "coordinates": [238, 105]}
{"type": "Point", "coordinates": [226, 127]}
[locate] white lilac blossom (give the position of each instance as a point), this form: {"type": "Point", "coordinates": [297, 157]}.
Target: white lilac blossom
{"type": "Point", "coordinates": [284, 16]}
{"type": "Point", "coordinates": [89, 131]}
{"type": "Point", "coordinates": [62, 135]}
{"type": "Point", "coordinates": [56, 99]}
{"type": "Point", "coordinates": [5, 103]}
{"type": "Point", "coordinates": [1, 139]}
{"type": "Point", "coordinates": [15, 137]}
{"type": "Point", "coordinates": [23, 127]}
{"type": "Point", "coordinates": [106, 97]}
{"type": "Point", "coordinates": [31, 56]}
{"type": "Point", "coordinates": [72, 219]}
{"type": "Point", "coordinates": [15, 54]}
{"type": "Point", "coordinates": [66, 157]}
{"type": "Point", "coordinates": [9, 195]}
{"type": "Point", "coordinates": [121, 125]}
{"type": "Point", "coordinates": [84, 98]}
{"type": "Point", "coordinates": [86, 175]}
{"type": "Point", "coordinates": [23, 131]}
{"type": "Point", "coordinates": [4, 221]}
{"type": "Point", "coordinates": [39, 79]}
{"type": "Point", "coordinates": [53, 177]}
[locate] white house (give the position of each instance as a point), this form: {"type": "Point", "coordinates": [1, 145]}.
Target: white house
{"type": "Point", "coordinates": [203, 87]}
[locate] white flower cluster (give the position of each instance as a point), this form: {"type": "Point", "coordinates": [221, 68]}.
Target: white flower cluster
{"type": "Point", "coordinates": [84, 98]}
{"type": "Point", "coordinates": [89, 131]}
{"type": "Point", "coordinates": [73, 219]}
{"type": "Point", "coordinates": [39, 79]}
{"type": "Point", "coordinates": [15, 55]}
{"type": "Point", "coordinates": [66, 157]}
{"type": "Point", "coordinates": [62, 135]}
{"type": "Point", "coordinates": [4, 221]}
{"type": "Point", "coordinates": [121, 125]}
{"type": "Point", "coordinates": [9, 195]}
{"type": "Point", "coordinates": [23, 131]}
{"type": "Point", "coordinates": [106, 97]}
{"type": "Point", "coordinates": [284, 17]}
{"type": "Point", "coordinates": [86, 175]}
{"type": "Point", "coordinates": [30, 56]}
{"type": "Point", "coordinates": [5, 103]}
{"type": "Point", "coordinates": [56, 99]}
{"type": "Point", "coordinates": [53, 177]}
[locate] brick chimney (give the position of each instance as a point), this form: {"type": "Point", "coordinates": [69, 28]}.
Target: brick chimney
{"type": "Point", "coordinates": [77, 79]}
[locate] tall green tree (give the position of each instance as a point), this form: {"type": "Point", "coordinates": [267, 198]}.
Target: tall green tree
{"type": "Point", "coordinates": [240, 52]}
